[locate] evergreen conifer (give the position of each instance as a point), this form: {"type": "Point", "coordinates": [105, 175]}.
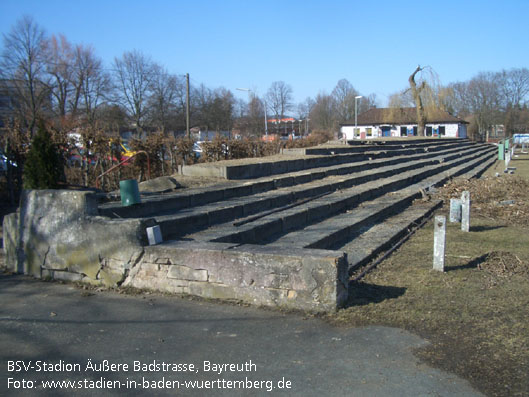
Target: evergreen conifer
{"type": "Point", "coordinates": [43, 165]}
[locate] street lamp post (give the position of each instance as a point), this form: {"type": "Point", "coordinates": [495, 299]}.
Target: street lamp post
{"type": "Point", "coordinates": [299, 126]}
{"type": "Point", "coordinates": [356, 113]}
{"type": "Point", "coordinates": [266, 120]}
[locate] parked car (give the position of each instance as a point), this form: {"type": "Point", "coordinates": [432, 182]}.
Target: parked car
{"type": "Point", "coordinates": [4, 162]}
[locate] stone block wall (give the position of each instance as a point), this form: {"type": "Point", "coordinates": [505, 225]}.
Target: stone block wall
{"type": "Point", "coordinates": [57, 234]}
{"type": "Point", "coordinates": [306, 279]}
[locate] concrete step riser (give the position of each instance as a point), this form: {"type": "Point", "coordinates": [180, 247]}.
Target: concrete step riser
{"type": "Point", "coordinates": [348, 233]}
{"type": "Point", "coordinates": [338, 237]}
{"type": "Point", "coordinates": [379, 245]}
{"type": "Point", "coordinates": [354, 147]}
{"type": "Point", "coordinates": [174, 228]}
{"type": "Point", "coordinates": [329, 161]}
{"type": "Point", "coordinates": [178, 202]}
{"type": "Point", "coordinates": [297, 221]}
{"type": "Point", "coordinates": [391, 147]}
{"type": "Point", "coordinates": [396, 161]}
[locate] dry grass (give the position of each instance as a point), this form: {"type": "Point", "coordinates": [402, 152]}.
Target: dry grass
{"type": "Point", "coordinates": [475, 313]}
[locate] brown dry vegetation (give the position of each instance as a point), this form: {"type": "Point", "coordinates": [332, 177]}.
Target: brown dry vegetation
{"type": "Point", "coordinates": [475, 313]}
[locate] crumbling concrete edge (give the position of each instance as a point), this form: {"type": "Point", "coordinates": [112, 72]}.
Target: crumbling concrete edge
{"type": "Point", "coordinates": [303, 279]}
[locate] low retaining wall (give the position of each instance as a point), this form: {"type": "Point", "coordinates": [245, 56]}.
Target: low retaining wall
{"type": "Point", "coordinates": [57, 234]}
{"type": "Point", "coordinates": [314, 280]}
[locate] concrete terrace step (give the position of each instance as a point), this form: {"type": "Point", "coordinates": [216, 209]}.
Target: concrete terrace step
{"type": "Point", "coordinates": [332, 232]}
{"type": "Point", "coordinates": [272, 166]}
{"type": "Point", "coordinates": [373, 239]}
{"type": "Point", "coordinates": [201, 217]}
{"type": "Point", "coordinates": [156, 204]}
{"type": "Point", "coordinates": [363, 146]}
{"type": "Point", "coordinates": [280, 223]}
{"type": "Point", "coordinates": [403, 141]}
{"type": "Point", "coordinates": [378, 237]}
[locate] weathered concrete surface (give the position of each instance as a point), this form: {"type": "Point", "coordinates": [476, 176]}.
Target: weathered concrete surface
{"type": "Point", "coordinates": [314, 158]}
{"type": "Point", "coordinates": [57, 234]}
{"type": "Point", "coordinates": [314, 280]}
{"type": "Point", "coordinates": [318, 359]}
{"type": "Point", "coordinates": [159, 185]}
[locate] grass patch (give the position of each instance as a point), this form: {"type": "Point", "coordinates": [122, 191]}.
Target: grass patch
{"type": "Point", "coordinates": [475, 313]}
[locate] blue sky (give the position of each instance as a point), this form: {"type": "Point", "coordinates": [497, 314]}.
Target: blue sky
{"type": "Point", "coordinates": [309, 44]}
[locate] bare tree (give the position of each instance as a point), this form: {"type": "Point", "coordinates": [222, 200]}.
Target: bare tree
{"type": "Point", "coordinates": [78, 81]}
{"type": "Point", "coordinates": [484, 100]}
{"type": "Point", "coordinates": [457, 99]}
{"type": "Point", "coordinates": [514, 86]}
{"type": "Point", "coordinates": [256, 114]}
{"type": "Point", "coordinates": [344, 96]}
{"type": "Point", "coordinates": [416, 93]}
{"type": "Point", "coordinates": [163, 100]}
{"type": "Point", "coordinates": [202, 98]}
{"type": "Point", "coordinates": [220, 114]}
{"type": "Point", "coordinates": [92, 83]}
{"type": "Point", "coordinates": [134, 74]}
{"type": "Point", "coordinates": [323, 113]}
{"type": "Point", "coordinates": [60, 66]}
{"type": "Point", "coordinates": [23, 67]}
{"type": "Point", "coordinates": [279, 98]}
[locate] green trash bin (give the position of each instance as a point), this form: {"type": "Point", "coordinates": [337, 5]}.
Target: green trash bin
{"type": "Point", "coordinates": [129, 191]}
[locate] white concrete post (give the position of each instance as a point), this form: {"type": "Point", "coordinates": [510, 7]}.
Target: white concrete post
{"type": "Point", "coordinates": [465, 211]}
{"type": "Point", "coordinates": [455, 210]}
{"type": "Point", "coordinates": [439, 240]}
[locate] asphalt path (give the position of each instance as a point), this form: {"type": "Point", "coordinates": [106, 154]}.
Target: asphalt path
{"type": "Point", "coordinates": [106, 343]}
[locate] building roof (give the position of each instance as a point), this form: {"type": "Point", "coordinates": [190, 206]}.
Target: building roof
{"type": "Point", "coordinates": [378, 116]}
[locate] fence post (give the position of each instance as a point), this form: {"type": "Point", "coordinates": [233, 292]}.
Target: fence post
{"type": "Point", "coordinates": [465, 211]}
{"type": "Point", "coordinates": [439, 241]}
{"type": "Point", "coordinates": [501, 151]}
{"type": "Point", "coordinates": [455, 210]}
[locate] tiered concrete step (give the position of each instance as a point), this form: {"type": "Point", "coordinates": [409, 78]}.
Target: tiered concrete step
{"type": "Point", "coordinates": [332, 232]}
{"type": "Point", "coordinates": [167, 203]}
{"type": "Point", "coordinates": [275, 165]}
{"type": "Point", "coordinates": [252, 240]}
{"type": "Point", "coordinates": [203, 217]}
{"type": "Point", "coordinates": [375, 145]}
{"type": "Point", "coordinates": [377, 237]}
{"type": "Point", "coordinates": [321, 222]}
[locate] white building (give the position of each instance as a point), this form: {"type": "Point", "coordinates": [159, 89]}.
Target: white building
{"type": "Point", "coordinates": [402, 122]}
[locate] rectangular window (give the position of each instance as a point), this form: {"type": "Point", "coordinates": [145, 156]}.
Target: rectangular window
{"type": "Point", "coordinates": [415, 131]}
{"type": "Point", "coordinates": [369, 131]}
{"type": "Point", "coordinates": [442, 130]}
{"type": "Point", "coordinates": [357, 131]}
{"type": "Point", "coordinates": [403, 131]}
{"type": "Point", "coordinates": [429, 131]}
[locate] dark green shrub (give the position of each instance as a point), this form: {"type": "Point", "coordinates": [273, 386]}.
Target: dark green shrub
{"type": "Point", "coordinates": [43, 167]}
